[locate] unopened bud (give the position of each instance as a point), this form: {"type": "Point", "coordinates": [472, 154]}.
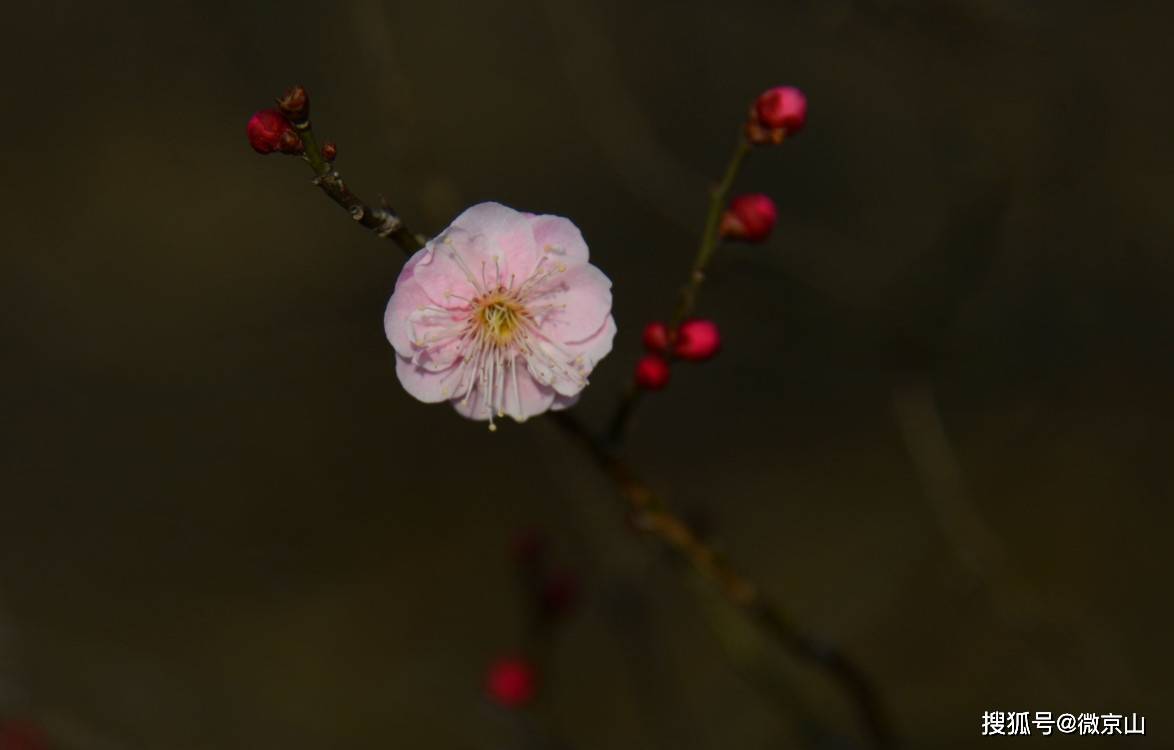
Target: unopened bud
{"type": "Point", "coordinates": [329, 151]}
{"type": "Point", "coordinates": [295, 104]}
{"type": "Point", "coordinates": [776, 113]}
{"type": "Point", "coordinates": [652, 372]}
{"type": "Point", "coordinates": [782, 107]}
{"type": "Point", "coordinates": [511, 682]}
{"type": "Point", "coordinates": [266, 129]}
{"type": "Point", "coordinates": [697, 340]}
{"type": "Point", "coordinates": [749, 218]}
{"type": "Point", "coordinates": [291, 143]}
{"type": "Point", "coordinates": [656, 337]}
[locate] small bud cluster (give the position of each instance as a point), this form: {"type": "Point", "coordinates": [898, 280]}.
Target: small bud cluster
{"type": "Point", "coordinates": [551, 593]}
{"type": "Point", "coordinates": [276, 129]}
{"type": "Point", "coordinates": [775, 114]}
{"type": "Point", "coordinates": [695, 340]}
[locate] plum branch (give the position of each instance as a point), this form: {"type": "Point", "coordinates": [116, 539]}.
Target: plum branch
{"type": "Point", "coordinates": [648, 513]}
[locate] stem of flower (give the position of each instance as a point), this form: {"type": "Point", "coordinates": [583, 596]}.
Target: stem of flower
{"type": "Point", "coordinates": [619, 420]}
{"type": "Point", "coordinates": [649, 514]}
{"type": "Point", "coordinates": [710, 239]}
{"type": "Point", "coordinates": [380, 219]}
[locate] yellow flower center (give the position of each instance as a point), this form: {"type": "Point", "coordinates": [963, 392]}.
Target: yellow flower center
{"type": "Point", "coordinates": [499, 316]}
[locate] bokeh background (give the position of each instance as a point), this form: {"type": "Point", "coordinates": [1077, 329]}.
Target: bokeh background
{"type": "Point", "coordinates": [939, 434]}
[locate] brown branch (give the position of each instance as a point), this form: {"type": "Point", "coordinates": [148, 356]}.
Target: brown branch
{"type": "Point", "coordinates": [650, 515]}
{"type": "Point", "coordinates": [380, 219]}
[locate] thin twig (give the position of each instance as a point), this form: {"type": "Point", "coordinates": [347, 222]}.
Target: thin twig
{"type": "Point", "coordinates": [650, 515]}
{"type": "Point", "coordinates": [711, 235]}
{"type": "Point", "coordinates": [380, 219]}
{"type": "Point", "coordinates": [687, 300]}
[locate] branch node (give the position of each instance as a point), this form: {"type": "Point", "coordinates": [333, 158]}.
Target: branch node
{"type": "Point", "coordinates": [388, 223]}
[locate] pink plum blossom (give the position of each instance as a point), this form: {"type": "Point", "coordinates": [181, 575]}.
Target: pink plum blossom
{"type": "Point", "coordinates": [500, 314]}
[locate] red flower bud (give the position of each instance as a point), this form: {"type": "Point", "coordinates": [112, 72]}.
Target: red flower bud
{"type": "Point", "coordinates": [697, 340]}
{"type": "Point", "coordinates": [656, 337]}
{"type": "Point", "coordinates": [266, 129]}
{"type": "Point", "coordinates": [652, 372]}
{"type": "Point", "coordinates": [510, 682]}
{"type": "Point", "coordinates": [329, 151]}
{"type": "Point", "coordinates": [295, 104]}
{"type": "Point", "coordinates": [749, 218]}
{"type": "Point", "coordinates": [782, 107]}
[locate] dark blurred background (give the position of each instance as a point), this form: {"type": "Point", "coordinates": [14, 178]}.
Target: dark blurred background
{"type": "Point", "coordinates": [939, 433]}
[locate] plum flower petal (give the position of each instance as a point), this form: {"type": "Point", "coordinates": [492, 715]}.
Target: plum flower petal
{"type": "Point", "coordinates": [562, 237]}
{"type": "Point", "coordinates": [584, 296]}
{"type": "Point", "coordinates": [564, 402]}
{"type": "Point", "coordinates": [425, 385]}
{"type": "Point", "coordinates": [502, 314]}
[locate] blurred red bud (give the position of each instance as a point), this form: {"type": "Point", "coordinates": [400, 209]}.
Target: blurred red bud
{"type": "Point", "coordinates": [749, 218]}
{"type": "Point", "coordinates": [656, 337]}
{"type": "Point", "coordinates": [782, 107]}
{"type": "Point", "coordinates": [697, 340]}
{"type": "Point", "coordinates": [329, 151]}
{"type": "Point", "coordinates": [511, 682]}
{"type": "Point", "coordinates": [652, 372]}
{"type": "Point", "coordinates": [266, 129]}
